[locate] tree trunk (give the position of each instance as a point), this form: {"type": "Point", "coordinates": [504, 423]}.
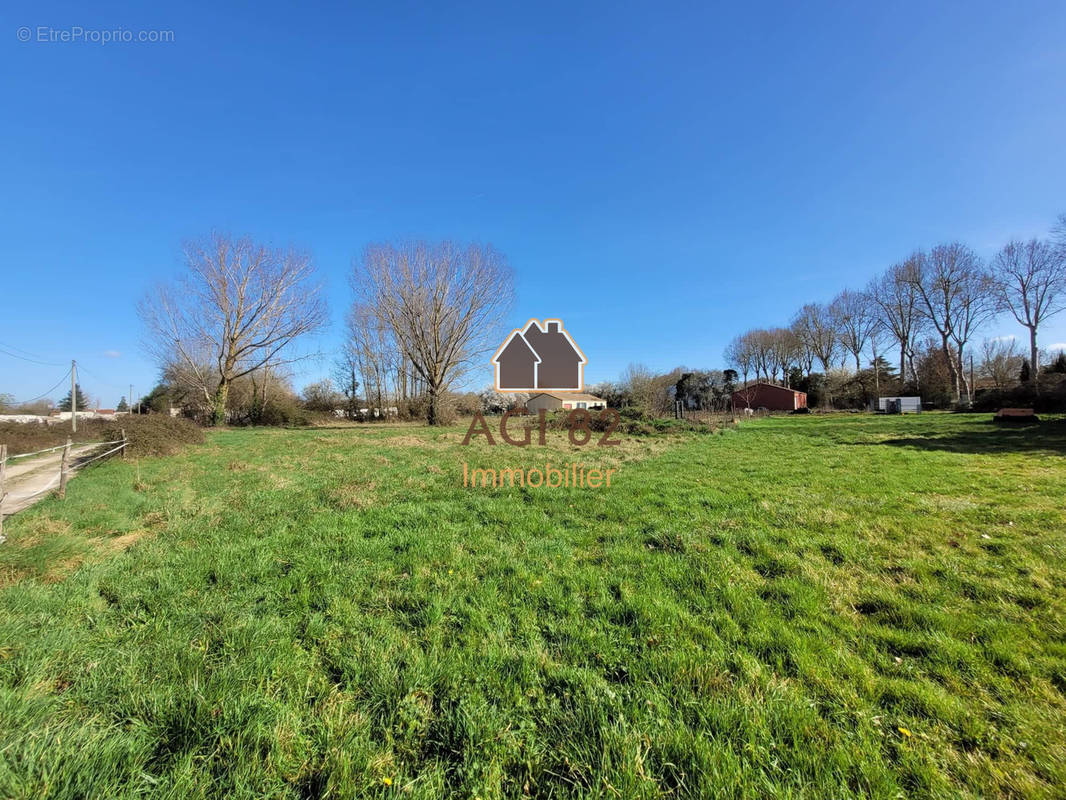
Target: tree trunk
{"type": "Point", "coordinates": [1034, 358]}
{"type": "Point", "coordinates": [953, 366]}
{"type": "Point", "coordinates": [218, 416]}
{"type": "Point", "coordinates": [964, 383]}
{"type": "Point", "coordinates": [903, 366]}
{"type": "Point", "coordinates": [877, 370]}
{"type": "Point", "coordinates": [432, 415]}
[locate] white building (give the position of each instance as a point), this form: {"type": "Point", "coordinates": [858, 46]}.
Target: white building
{"type": "Point", "coordinates": [899, 405]}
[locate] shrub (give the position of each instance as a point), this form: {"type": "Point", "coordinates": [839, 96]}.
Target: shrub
{"type": "Point", "coordinates": [467, 404]}
{"type": "Point", "coordinates": [418, 408]}
{"type": "Point", "coordinates": [634, 414]}
{"type": "Point", "coordinates": [1052, 397]}
{"type": "Point", "coordinates": [321, 396]}
{"type": "Point", "coordinates": [149, 434]}
{"type": "Point", "coordinates": [154, 434]}
{"type": "Point", "coordinates": [633, 428]}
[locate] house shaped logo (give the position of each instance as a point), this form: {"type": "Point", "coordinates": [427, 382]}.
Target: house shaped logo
{"type": "Point", "coordinates": [539, 357]}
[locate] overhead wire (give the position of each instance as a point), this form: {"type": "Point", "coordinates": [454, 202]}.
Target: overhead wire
{"type": "Point", "coordinates": [81, 369]}
{"type": "Point", "coordinates": [25, 352]}
{"type": "Point", "coordinates": [98, 379]}
{"type": "Point", "coordinates": [30, 360]}
{"type": "Point", "coordinates": [42, 395]}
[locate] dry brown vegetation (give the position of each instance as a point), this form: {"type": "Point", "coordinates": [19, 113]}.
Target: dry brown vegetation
{"type": "Point", "coordinates": [149, 435]}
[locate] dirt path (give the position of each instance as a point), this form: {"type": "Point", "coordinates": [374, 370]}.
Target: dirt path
{"type": "Point", "coordinates": [28, 480]}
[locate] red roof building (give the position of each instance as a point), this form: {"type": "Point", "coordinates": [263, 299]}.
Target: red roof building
{"type": "Point", "coordinates": [769, 396]}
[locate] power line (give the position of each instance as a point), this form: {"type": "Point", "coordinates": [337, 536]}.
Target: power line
{"type": "Point", "coordinates": [42, 394]}
{"type": "Point", "coordinates": [24, 351]}
{"type": "Point", "coordinates": [98, 379]}
{"type": "Point", "coordinates": [30, 360]}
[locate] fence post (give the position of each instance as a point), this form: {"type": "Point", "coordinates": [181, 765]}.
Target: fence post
{"type": "Point", "coordinates": [63, 469]}
{"type": "Point", "coordinates": [3, 468]}
{"type": "Point", "coordinates": [124, 441]}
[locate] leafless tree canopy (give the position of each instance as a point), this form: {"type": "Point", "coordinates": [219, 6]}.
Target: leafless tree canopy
{"type": "Point", "coordinates": [934, 299]}
{"type": "Point", "coordinates": [1030, 282]}
{"type": "Point", "coordinates": [442, 306]}
{"type": "Point", "coordinates": [373, 354]}
{"type": "Point", "coordinates": [1058, 238]}
{"type": "Point", "coordinates": [238, 308]}
{"type": "Point", "coordinates": [785, 352]}
{"type": "Point", "coordinates": [1000, 361]}
{"type": "Point", "coordinates": [854, 319]}
{"type": "Point", "coordinates": [898, 311]}
{"type": "Point", "coordinates": [817, 329]}
{"type": "Point", "coordinates": [956, 296]}
{"type": "Point", "coordinates": [740, 355]}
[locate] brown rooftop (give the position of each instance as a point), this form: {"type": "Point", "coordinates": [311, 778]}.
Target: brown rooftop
{"type": "Point", "coordinates": [570, 396]}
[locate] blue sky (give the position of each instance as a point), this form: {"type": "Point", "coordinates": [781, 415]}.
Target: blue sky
{"type": "Point", "coordinates": [661, 177]}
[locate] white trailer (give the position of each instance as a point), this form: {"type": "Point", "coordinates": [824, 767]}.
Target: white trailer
{"type": "Point", "coordinates": [899, 405]}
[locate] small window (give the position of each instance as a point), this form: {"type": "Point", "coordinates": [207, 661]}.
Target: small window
{"type": "Point", "coordinates": [582, 405]}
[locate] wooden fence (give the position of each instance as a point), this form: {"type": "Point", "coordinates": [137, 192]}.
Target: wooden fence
{"type": "Point", "coordinates": [67, 466]}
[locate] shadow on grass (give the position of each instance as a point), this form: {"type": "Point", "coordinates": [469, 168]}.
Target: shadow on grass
{"type": "Point", "coordinates": [992, 437]}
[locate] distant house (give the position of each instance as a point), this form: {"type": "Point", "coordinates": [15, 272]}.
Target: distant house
{"type": "Point", "coordinates": [769, 396]}
{"type": "Point", "coordinates": [100, 413]}
{"type": "Point", "coordinates": [551, 401]}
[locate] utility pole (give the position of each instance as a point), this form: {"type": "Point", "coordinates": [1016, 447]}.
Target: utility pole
{"type": "Point", "coordinates": [73, 396]}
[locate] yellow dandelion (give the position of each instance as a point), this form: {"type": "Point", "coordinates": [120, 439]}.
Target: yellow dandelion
{"type": "Point", "coordinates": [905, 732]}
{"type": "Point", "coordinates": [387, 781]}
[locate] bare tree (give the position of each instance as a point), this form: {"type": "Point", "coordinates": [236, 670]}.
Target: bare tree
{"type": "Point", "coordinates": [878, 337]}
{"type": "Point", "coordinates": [638, 383]}
{"type": "Point", "coordinates": [740, 355]}
{"type": "Point", "coordinates": [346, 373]}
{"type": "Point", "coordinates": [762, 344]}
{"type": "Point", "coordinates": [784, 351]}
{"type": "Point", "coordinates": [1000, 361]}
{"type": "Point", "coordinates": [804, 354]}
{"type": "Point", "coordinates": [375, 356]}
{"type": "Point", "coordinates": [956, 297]}
{"type": "Point", "coordinates": [1058, 237]}
{"type": "Point", "coordinates": [899, 311]}
{"type": "Point", "coordinates": [854, 319]}
{"type": "Point", "coordinates": [443, 304]}
{"type": "Point", "coordinates": [238, 307]}
{"type": "Point", "coordinates": [1030, 281]}
{"type": "Point", "coordinates": [816, 327]}
{"type": "Point", "coordinates": [322, 396]}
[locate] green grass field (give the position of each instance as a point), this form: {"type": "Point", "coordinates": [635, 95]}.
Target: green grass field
{"type": "Point", "coordinates": [801, 607]}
